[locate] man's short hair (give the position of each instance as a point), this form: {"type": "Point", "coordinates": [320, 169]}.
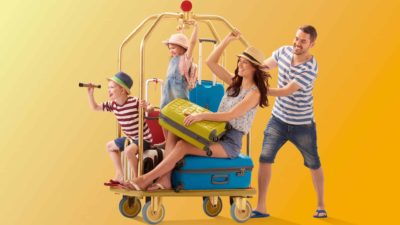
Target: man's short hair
{"type": "Point", "coordinates": [308, 29]}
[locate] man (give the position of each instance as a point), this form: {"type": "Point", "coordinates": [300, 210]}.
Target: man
{"type": "Point", "coordinates": [292, 115]}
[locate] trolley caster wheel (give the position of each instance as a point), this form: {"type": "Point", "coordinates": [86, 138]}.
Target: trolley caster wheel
{"type": "Point", "coordinates": [129, 206]}
{"type": "Point", "coordinates": [153, 217]}
{"type": "Point", "coordinates": [231, 201]}
{"type": "Point", "coordinates": [242, 215]}
{"type": "Point", "coordinates": [209, 209]}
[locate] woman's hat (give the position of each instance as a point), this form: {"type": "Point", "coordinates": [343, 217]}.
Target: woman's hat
{"type": "Point", "coordinates": [178, 39]}
{"type": "Point", "coordinates": [124, 80]}
{"type": "Point", "coordinates": [253, 55]}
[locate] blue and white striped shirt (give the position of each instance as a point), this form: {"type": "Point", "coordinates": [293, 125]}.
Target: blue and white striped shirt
{"type": "Point", "coordinates": [296, 108]}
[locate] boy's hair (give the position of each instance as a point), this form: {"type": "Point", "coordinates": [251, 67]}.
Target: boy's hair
{"type": "Point", "coordinates": [308, 29]}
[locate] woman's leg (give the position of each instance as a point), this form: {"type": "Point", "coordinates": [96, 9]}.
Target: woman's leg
{"type": "Point", "coordinates": [165, 180]}
{"type": "Point", "coordinates": [181, 149]}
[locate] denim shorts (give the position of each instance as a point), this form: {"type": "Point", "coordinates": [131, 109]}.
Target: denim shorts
{"type": "Point", "coordinates": [231, 141]}
{"type": "Point", "coordinates": [120, 142]}
{"type": "Point", "coordinates": [304, 137]}
{"type": "Point", "coordinates": [175, 87]}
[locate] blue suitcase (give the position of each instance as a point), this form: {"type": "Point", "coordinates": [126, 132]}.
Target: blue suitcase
{"type": "Point", "coordinates": [203, 173]}
{"type": "Point", "coordinates": [207, 94]}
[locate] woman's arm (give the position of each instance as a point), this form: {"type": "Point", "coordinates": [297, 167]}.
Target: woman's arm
{"type": "Point", "coordinates": [250, 101]}
{"type": "Point", "coordinates": [213, 58]}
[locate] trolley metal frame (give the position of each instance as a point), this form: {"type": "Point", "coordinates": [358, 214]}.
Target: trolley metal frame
{"type": "Point", "coordinates": [153, 211]}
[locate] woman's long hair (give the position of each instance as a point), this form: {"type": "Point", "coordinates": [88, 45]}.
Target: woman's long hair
{"type": "Point", "coordinates": [260, 78]}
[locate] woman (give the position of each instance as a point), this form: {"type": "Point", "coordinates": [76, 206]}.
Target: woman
{"type": "Point", "coordinates": [247, 88]}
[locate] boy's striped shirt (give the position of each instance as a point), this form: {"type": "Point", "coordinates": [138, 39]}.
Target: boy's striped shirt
{"type": "Point", "coordinates": [128, 117]}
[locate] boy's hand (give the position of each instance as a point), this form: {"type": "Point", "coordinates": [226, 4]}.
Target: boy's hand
{"type": "Point", "coordinates": [90, 89]}
{"type": "Point", "coordinates": [143, 104]}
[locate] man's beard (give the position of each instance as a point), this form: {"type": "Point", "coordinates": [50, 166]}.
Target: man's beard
{"type": "Point", "coordinates": [299, 51]}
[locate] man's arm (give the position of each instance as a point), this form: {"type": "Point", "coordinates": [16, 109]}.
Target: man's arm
{"type": "Point", "coordinates": [269, 64]}
{"type": "Point", "coordinates": [291, 87]}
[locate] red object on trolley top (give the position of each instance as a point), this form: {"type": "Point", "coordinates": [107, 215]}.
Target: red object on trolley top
{"type": "Point", "coordinates": [186, 6]}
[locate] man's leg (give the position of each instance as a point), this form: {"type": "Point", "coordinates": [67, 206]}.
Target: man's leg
{"type": "Point", "coordinates": [274, 138]}
{"type": "Point", "coordinates": [318, 181]}
{"type": "Point", "coordinates": [305, 139]}
{"type": "Point", "coordinates": [264, 177]}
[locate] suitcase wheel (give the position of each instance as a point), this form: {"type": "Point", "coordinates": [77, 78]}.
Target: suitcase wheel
{"type": "Point", "coordinates": [129, 206]}
{"type": "Point", "coordinates": [210, 209]}
{"type": "Point", "coordinates": [153, 217]}
{"type": "Point", "coordinates": [241, 215]}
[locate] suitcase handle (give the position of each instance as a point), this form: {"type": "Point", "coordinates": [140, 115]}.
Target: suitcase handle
{"type": "Point", "coordinates": [216, 179]}
{"type": "Point", "coordinates": [207, 40]}
{"type": "Point", "coordinates": [200, 64]}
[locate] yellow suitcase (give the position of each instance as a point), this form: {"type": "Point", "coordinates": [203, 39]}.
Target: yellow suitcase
{"type": "Point", "coordinates": [200, 134]}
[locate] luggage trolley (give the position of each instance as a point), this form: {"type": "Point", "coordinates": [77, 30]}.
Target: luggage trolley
{"type": "Point", "coordinates": [153, 210]}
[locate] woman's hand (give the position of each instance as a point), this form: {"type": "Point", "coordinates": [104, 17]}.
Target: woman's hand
{"type": "Point", "coordinates": [192, 118]}
{"type": "Point", "coordinates": [234, 35]}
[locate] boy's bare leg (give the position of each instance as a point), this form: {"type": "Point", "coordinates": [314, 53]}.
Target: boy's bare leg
{"type": "Point", "coordinates": [115, 156]}
{"type": "Point", "coordinates": [130, 152]}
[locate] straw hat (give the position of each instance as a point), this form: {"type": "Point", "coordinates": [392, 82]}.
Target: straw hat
{"type": "Point", "coordinates": [124, 80]}
{"type": "Point", "coordinates": [253, 55]}
{"type": "Point", "coordinates": [178, 39]}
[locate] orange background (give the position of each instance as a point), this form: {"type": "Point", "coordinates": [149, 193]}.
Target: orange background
{"type": "Point", "coordinates": [52, 146]}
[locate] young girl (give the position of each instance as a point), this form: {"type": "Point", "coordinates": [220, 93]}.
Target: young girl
{"type": "Point", "coordinates": [181, 77]}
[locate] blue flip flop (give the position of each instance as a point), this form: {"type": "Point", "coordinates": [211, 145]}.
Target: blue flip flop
{"type": "Point", "coordinates": [257, 214]}
{"type": "Point", "coordinates": [318, 211]}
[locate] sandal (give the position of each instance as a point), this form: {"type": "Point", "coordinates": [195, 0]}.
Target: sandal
{"type": "Point", "coordinates": [320, 211]}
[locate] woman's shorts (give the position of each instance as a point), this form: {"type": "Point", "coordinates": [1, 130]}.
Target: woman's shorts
{"type": "Point", "coordinates": [231, 141]}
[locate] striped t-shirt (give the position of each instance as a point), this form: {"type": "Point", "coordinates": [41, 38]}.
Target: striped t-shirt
{"type": "Point", "coordinates": [128, 117]}
{"type": "Point", "coordinates": [296, 108]}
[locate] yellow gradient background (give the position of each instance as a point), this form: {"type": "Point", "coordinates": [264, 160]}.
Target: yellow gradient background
{"type": "Point", "coordinates": [52, 146]}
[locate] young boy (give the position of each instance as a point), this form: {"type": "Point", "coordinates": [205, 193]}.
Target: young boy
{"type": "Point", "coordinates": [126, 109]}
